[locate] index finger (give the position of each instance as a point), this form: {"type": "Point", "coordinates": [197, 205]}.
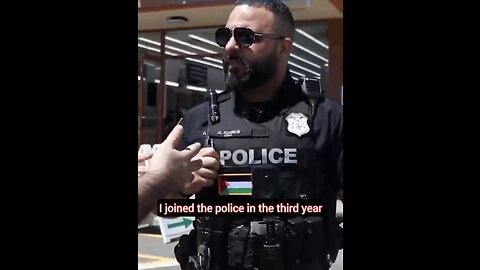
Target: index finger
{"type": "Point", "coordinates": [174, 137]}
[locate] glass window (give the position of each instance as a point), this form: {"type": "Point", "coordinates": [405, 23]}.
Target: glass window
{"type": "Point", "coordinates": [193, 64]}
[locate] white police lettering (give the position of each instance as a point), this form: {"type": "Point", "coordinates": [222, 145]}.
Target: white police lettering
{"type": "Point", "coordinates": [235, 157]}
{"type": "Point", "coordinates": [225, 155]}
{"type": "Point", "coordinates": [273, 156]}
{"type": "Point", "coordinates": [290, 156]}
{"type": "Point", "coordinates": [251, 158]}
{"type": "Point", "coordinates": [264, 156]}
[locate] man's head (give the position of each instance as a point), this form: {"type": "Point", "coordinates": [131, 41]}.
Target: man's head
{"type": "Point", "coordinates": [257, 38]}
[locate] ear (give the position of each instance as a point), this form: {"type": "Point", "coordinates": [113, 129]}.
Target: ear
{"type": "Point", "coordinates": [286, 45]}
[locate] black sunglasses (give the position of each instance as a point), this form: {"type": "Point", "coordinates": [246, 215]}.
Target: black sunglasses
{"type": "Point", "coordinates": [243, 36]}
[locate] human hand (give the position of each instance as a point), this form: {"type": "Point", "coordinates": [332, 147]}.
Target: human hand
{"type": "Point", "coordinates": [207, 174]}
{"type": "Point", "coordinates": [142, 158]}
{"type": "Point", "coordinates": [169, 164]}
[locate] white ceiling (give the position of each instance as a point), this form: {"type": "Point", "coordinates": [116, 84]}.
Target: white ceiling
{"type": "Point", "coordinates": [183, 40]}
{"type": "Point", "coordinates": [303, 10]}
{"type": "Point", "coordinates": [212, 17]}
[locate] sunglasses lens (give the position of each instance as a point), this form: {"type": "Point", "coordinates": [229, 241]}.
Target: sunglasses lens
{"type": "Point", "coordinates": [244, 36]}
{"type": "Point", "coordinates": [222, 36]}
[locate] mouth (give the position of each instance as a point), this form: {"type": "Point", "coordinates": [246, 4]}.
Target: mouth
{"type": "Point", "coordinates": [235, 62]}
{"type": "Point", "coordinates": [236, 66]}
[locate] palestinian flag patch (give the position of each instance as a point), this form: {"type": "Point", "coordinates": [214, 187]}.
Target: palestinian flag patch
{"type": "Point", "coordinates": [231, 184]}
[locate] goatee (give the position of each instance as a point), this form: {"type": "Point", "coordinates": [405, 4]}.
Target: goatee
{"type": "Point", "coordinates": [256, 73]}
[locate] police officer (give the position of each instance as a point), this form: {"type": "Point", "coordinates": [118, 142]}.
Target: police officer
{"type": "Point", "coordinates": [265, 120]}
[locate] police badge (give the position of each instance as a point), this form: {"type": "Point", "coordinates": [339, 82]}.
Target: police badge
{"type": "Point", "coordinates": [297, 124]}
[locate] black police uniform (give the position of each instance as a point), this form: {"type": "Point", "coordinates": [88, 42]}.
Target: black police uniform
{"type": "Point", "coordinates": [308, 157]}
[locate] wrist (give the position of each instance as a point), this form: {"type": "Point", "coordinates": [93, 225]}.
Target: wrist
{"type": "Point", "coordinates": [156, 184]}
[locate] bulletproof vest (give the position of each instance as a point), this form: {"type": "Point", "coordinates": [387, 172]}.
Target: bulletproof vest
{"type": "Point", "coordinates": [279, 142]}
{"type": "Point", "coordinates": [284, 141]}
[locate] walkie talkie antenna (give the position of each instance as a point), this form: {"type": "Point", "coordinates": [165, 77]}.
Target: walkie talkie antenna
{"type": "Point", "coordinates": [213, 114]}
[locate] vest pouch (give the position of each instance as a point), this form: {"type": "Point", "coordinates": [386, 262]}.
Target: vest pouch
{"type": "Point", "coordinates": [290, 183]}
{"type": "Point", "coordinates": [295, 232]}
{"type": "Point", "coordinates": [265, 182]}
{"type": "Point", "coordinates": [314, 238]}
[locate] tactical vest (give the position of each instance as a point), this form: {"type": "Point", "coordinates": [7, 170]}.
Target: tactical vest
{"type": "Point", "coordinates": [285, 141]}
{"type": "Point", "coordinates": [287, 145]}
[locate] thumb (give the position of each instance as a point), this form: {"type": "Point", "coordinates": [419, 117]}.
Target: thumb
{"type": "Point", "coordinates": [174, 137]}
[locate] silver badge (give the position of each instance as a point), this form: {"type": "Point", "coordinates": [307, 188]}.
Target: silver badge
{"type": "Point", "coordinates": [297, 124]}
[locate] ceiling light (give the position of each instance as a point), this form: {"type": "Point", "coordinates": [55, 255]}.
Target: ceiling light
{"type": "Point", "coordinates": [214, 60]}
{"type": "Point", "coordinates": [297, 73]}
{"type": "Point", "coordinates": [149, 41]}
{"type": "Point", "coordinates": [203, 62]}
{"type": "Point", "coordinates": [304, 60]}
{"type": "Point", "coordinates": [303, 68]}
{"type": "Point", "coordinates": [204, 40]}
{"type": "Point", "coordinates": [177, 19]}
{"type": "Point", "coordinates": [310, 52]}
{"type": "Point", "coordinates": [188, 45]}
{"type": "Point", "coordinates": [149, 48]}
{"type": "Point", "coordinates": [179, 50]}
{"type": "Point", "coordinates": [312, 38]}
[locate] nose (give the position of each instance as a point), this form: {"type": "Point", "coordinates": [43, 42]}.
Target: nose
{"type": "Point", "coordinates": [231, 46]}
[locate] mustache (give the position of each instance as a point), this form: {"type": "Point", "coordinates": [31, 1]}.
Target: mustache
{"type": "Point", "coordinates": [234, 57]}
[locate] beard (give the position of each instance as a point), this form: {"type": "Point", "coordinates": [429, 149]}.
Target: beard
{"type": "Point", "coordinates": [256, 73]}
